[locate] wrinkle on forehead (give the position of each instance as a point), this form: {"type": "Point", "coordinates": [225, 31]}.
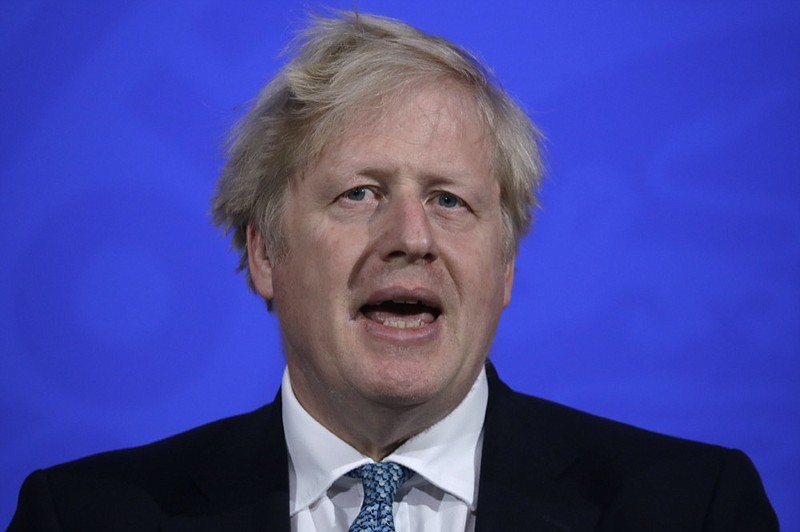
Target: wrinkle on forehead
{"type": "Point", "coordinates": [445, 106]}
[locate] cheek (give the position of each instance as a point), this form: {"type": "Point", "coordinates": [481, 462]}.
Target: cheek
{"type": "Point", "coordinates": [321, 263]}
{"type": "Point", "coordinates": [479, 275]}
{"type": "Point", "coordinates": [340, 245]}
{"type": "Point", "coordinates": [489, 272]}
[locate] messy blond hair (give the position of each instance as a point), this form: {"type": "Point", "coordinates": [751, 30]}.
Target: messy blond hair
{"type": "Point", "coordinates": [341, 64]}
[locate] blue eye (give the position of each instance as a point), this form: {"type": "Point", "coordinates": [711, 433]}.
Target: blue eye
{"type": "Point", "coordinates": [449, 201]}
{"type": "Point", "coordinates": [356, 194]}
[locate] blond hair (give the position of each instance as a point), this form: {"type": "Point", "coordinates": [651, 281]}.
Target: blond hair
{"type": "Point", "coordinates": [340, 64]}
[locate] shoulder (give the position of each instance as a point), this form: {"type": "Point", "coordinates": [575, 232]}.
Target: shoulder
{"type": "Point", "coordinates": [625, 471]}
{"type": "Point", "coordinates": [229, 437]}
{"type": "Point", "coordinates": [605, 438]}
{"type": "Point", "coordinates": [527, 417]}
{"type": "Point", "coordinates": [179, 474]}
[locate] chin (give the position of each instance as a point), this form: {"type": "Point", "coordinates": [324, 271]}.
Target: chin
{"type": "Point", "coordinates": [405, 386]}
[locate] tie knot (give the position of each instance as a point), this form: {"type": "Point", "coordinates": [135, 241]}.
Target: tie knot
{"type": "Point", "coordinates": [380, 480]}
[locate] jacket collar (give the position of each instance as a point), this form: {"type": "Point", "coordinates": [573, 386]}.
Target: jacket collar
{"type": "Point", "coordinates": [526, 467]}
{"type": "Point", "coordinates": [245, 484]}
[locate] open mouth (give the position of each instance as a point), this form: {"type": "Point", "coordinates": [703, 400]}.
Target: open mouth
{"type": "Point", "coordinates": [402, 314]}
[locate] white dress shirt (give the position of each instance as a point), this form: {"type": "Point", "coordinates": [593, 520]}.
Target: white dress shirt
{"type": "Point", "coordinates": [442, 495]}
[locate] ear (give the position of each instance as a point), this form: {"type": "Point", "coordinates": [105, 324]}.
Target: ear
{"type": "Point", "coordinates": [260, 263]}
{"type": "Point", "coordinates": [508, 281]}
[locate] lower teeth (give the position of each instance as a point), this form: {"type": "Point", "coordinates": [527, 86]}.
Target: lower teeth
{"type": "Point", "coordinates": [403, 324]}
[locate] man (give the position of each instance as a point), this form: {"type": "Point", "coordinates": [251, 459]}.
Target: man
{"type": "Point", "coordinates": [377, 192]}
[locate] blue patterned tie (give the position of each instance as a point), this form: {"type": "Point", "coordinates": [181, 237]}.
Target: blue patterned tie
{"type": "Point", "coordinates": [381, 480]}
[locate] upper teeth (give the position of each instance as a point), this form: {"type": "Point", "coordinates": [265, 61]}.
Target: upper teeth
{"type": "Point", "coordinates": [408, 302]}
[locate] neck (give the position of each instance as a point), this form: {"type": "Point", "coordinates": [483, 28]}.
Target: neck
{"type": "Point", "coordinates": [374, 429]}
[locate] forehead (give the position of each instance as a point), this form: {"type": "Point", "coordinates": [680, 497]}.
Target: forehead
{"type": "Point", "coordinates": [436, 120]}
{"type": "Point", "coordinates": [440, 107]}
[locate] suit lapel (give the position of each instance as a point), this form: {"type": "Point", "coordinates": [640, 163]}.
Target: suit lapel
{"type": "Point", "coordinates": [524, 469]}
{"type": "Point", "coordinates": [246, 483]}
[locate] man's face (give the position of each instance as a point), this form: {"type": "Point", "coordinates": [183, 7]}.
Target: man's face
{"type": "Point", "coordinates": [395, 277]}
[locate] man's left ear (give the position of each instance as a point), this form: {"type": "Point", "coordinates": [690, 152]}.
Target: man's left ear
{"type": "Point", "coordinates": [508, 281]}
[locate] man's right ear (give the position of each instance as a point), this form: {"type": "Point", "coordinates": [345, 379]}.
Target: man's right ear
{"type": "Point", "coordinates": [260, 263]}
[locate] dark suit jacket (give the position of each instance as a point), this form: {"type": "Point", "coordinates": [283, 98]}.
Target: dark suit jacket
{"type": "Point", "coordinates": [545, 467]}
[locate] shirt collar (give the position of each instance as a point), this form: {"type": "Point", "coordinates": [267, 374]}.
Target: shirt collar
{"type": "Point", "coordinates": [446, 454]}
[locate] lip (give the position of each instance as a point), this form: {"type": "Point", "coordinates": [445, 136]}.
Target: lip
{"type": "Point", "coordinates": [406, 336]}
{"type": "Point", "coordinates": [395, 335]}
{"type": "Point", "coordinates": [400, 293]}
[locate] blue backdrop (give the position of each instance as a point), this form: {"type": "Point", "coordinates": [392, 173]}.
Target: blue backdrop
{"type": "Point", "coordinates": [660, 287]}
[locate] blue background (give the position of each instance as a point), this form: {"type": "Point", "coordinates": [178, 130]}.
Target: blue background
{"type": "Point", "coordinates": [661, 285]}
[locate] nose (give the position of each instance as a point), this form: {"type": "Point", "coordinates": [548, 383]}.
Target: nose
{"type": "Point", "coordinates": [408, 233]}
